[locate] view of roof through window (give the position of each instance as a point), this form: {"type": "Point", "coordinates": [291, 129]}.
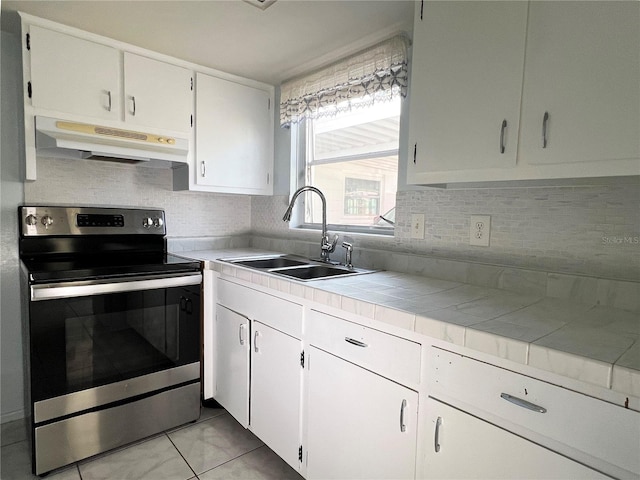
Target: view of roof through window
{"type": "Point", "coordinates": [353, 158]}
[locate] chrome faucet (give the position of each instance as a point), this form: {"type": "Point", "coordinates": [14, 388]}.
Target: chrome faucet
{"type": "Point", "coordinates": [327, 246]}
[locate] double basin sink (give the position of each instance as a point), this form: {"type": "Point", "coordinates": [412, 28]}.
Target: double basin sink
{"type": "Point", "coordinates": [295, 267]}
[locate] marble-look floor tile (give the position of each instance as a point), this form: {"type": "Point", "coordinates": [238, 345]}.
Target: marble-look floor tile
{"type": "Point", "coordinates": [213, 442]}
{"type": "Point", "coordinates": [152, 459]}
{"type": "Point", "coordinates": [259, 464]}
{"type": "Point", "coordinates": [16, 465]}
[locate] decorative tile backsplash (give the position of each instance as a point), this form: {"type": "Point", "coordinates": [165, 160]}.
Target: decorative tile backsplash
{"type": "Point", "coordinates": [91, 182]}
{"type": "Point", "coordinates": [583, 230]}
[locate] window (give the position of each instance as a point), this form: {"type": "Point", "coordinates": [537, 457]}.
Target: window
{"type": "Point", "coordinates": [352, 157]}
{"type": "Point", "coordinates": [344, 123]}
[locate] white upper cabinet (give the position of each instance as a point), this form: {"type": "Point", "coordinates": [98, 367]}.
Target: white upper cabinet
{"type": "Point", "coordinates": [570, 98]}
{"type": "Point", "coordinates": [69, 74]}
{"type": "Point", "coordinates": [582, 72]}
{"type": "Point", "coordinates": [157, 94]}
{"type": "Point", "coordinates": [465, 85]}
{"type": "Point", "coordinates": [234, 136]}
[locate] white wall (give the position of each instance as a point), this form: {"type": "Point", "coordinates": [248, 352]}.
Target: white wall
{"type": "Point", "coordinates": [11, 159]}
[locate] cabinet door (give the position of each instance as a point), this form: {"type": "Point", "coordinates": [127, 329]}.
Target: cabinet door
{"type": "Point", "coordinates": [582, 70]}
{"type": "Point", "coordinates": [234, 136]}
{"type": "Point", "coordinates": [232, 365]}
{"type": "Point", "coordinates": [359, 424]}
{"type": "Point", "coordinates": [275, 391]}
{"type": "Point", "coordinates": [463, 446]}
{"type": "Point", "coordinates": [157, 94]}
{"type": "Point", "coordinates": [466, 82]}
{"type": "Point", "coordinates": [72, 75]}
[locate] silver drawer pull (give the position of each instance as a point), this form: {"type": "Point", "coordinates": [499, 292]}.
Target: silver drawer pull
{"type": "Point", "coordinates": [403, 406]}
{"type": "Point", "coordinates": [355, 342]}
{"type": "Point", "coordinates": [523, 403]}
{"type": "Point", "coordinates": [436, 436]}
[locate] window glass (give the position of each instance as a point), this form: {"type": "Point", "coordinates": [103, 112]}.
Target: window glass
{"type": "Point", "coordinates": [352, 157]}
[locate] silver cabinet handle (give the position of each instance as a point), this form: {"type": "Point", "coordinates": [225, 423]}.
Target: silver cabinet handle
{"type": "Point", "coordinates": [436, 436]}
{"type": "Point", "coordinates": [523, 403]}
{"type": "Point", "coordinates": [502, 129]}
{"type": "Point", "coordinates": [355, 342]}
{"type": "Point", "coordinates": [109, 96]}
{"type": "Point", "coordinates": [545, 121]}
{"type": "Point", "coordinates": [133, 103]}
{"type": "Point", "coordinates": [255, 342]}
{"type": "Point", "coordinates": [203, 168]}
{"type": "Point", "coordinates": [241, 333]}
{"type": "Point", "coordinates": [403, 406]}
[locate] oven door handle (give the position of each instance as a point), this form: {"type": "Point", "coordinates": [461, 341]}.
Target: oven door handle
{"type": "Point", "coordinates": [51, 291]}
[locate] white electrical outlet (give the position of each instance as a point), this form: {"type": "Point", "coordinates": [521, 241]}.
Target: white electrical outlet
{"type": "Point", "coordinates": [480, 230]}
{"type": "Point", "coordinates": [417, 225]}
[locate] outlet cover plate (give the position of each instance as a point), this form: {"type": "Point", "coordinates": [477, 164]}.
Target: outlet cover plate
{"type": "Point", "coordinates": [417, 225]}
{"type": "Point", "coordinates": [480, 230]}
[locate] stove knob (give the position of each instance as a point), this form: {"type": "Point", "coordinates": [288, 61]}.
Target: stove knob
{"type": "Point", "coordinates": [47, 221]}
{"type": "Point", "coordinates": [147, 222]}
{"type": "Point", "coordinates": [31, 220]}
{"type": "Point", "coordinates": [158, 222]}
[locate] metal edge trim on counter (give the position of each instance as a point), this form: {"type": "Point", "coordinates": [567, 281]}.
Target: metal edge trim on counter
{"type": "Point", "coordinates": [85, 399]}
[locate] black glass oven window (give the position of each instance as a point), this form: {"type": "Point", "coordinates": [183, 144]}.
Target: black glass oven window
{"type": "Point", "coordinates": [85, 342]}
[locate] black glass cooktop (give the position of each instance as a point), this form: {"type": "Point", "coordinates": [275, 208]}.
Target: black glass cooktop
{"type": "Point", "coordinates": [106, 266]}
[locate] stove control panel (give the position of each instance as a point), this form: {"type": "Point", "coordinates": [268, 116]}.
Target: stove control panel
{"type": "Point", "coordinates": [68, 221]}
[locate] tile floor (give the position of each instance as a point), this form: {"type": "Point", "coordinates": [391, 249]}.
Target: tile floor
{"type": "Point", "coordinates": [215, 447]}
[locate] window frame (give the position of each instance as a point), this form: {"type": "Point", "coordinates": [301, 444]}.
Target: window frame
{"type": "Point", "coordinates": [299, 153]}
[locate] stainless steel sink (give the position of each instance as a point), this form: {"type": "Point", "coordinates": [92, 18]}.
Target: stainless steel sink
{"type": "Point", "coordinates": [295, 267]}
{"type": "Point", "coordinates": [314, 272]}
{"type": "Point", "coordinates": [269, 262]}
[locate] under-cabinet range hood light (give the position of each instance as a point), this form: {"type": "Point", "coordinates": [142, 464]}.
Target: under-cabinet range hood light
{"type": "Point", "coordinates": [63, 139]}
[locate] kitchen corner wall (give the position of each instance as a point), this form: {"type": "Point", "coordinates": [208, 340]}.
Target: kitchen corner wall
{"type": "Point", "coordinates": [93, 182]}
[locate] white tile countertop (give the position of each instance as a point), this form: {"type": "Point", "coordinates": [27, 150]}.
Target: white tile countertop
{"type": "Point", "coordinates": [589, 343]}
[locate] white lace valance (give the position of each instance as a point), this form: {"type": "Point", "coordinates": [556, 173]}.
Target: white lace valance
{"type": "Point", "coordinates": [377, 73]}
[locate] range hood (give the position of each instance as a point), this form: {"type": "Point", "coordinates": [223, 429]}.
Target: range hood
{"type": "Point", "coordinates": [64, 139]}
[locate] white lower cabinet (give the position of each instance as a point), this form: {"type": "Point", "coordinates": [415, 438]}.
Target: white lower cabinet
{"type": "Point", "coordinates": [359, 424]}
{"type": "Point", "coordinates": [276, 378]}
{"type": "Point", "coordinates": [258, 365]}
{"type": "Point", "coordinates": [232, 363]}
{"type": "Point", "coordinates": [464, 446]}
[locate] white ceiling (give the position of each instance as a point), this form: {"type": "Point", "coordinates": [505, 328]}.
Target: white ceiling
{"type": "Point", "coordinates": [287, 39]}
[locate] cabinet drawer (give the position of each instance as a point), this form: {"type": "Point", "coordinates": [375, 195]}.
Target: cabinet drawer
{"type": "Point", "coordinates": [574, 424]}
{"type": "Point", "coordinates": [273, 311]}
{"type": "Point", "coordinates": [390, 356]}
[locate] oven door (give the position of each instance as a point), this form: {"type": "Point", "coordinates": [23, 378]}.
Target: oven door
{"type": "Point", "coordinates": [95, 343]}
